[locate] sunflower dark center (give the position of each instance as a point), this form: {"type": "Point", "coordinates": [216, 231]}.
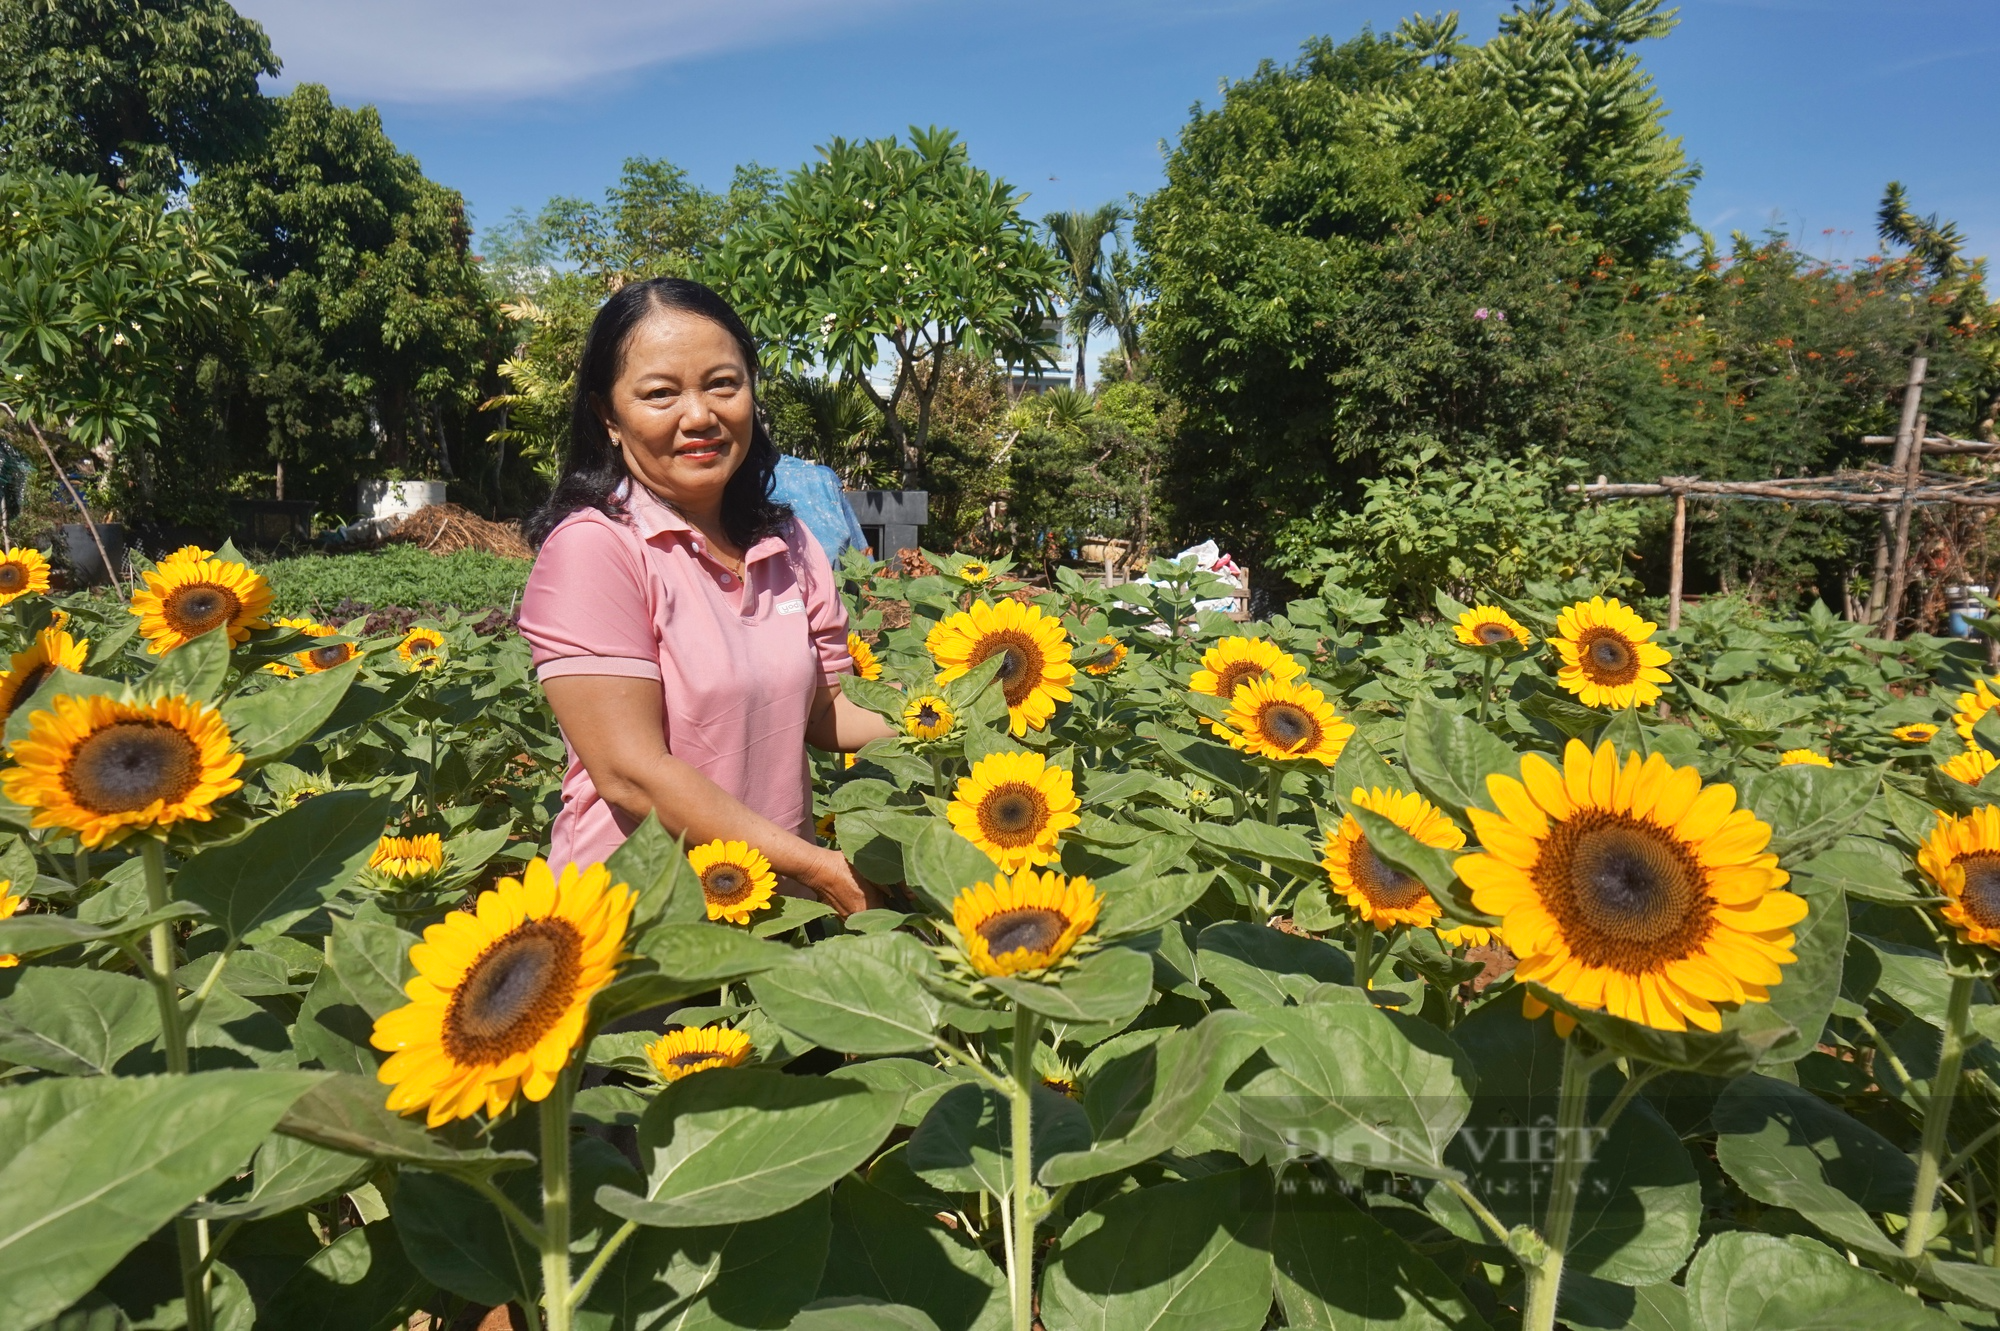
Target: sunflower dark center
{"type": "Point", "coordinates": [514, 993]}
{"type": "Point", "coordinates": [695, 1058]}
{"type": "Point", "coordinates": [129, 764]}
{"type": "Point", "coordinates": [1235, 675]}
{"type": "Point", "coordinates": [1981, 898]}
{"type": "Point", "coordinates": [326, 658]}
{"type": "Point", "coordinates": [198, 607]}
{"type": "Point", "coordinates": [927, 715]}
{"type": "Point", "coordinates": [1013, 815]}
{"type": "Point", "coordinates": [13, 577]}
{"type": "Point", "coordinates": [1385, 888]}
{"type": "Point", "coordinates": [1289, 726]}
{"type": "Point", "coordinates": [1493, 634]}
{"type": "Point", "coordinates": [24, 688]}
{"type": "Point", "coordinates": [1608, 658]}
{"type": "Point", "coordinates": [1021, 669]}
{"type": "Point", "coordinates": [725, 884]}
{"type": "Point", "coordinates": [1625, 893]}
{"type": "Point", "coordinates": [1033, 928]}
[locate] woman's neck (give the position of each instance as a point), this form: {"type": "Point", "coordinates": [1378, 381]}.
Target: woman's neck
{"type": "Point", "coordinates": [705, 518]}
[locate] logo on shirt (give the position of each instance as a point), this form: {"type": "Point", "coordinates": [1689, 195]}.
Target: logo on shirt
{"type": "Point", "coordinates": [791, 607]}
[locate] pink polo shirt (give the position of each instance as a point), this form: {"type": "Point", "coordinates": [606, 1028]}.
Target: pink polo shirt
{"type": "Point", "coordinates": [737, 663]}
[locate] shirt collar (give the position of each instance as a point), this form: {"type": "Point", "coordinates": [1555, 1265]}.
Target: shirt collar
{"type": "Point", "coordinates": [653, 516]}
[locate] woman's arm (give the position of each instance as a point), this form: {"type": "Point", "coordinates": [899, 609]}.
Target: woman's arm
{"type": "Point", "coordinates": [614, 724]}
{"type": "Point", "coordinates": [838, 726]}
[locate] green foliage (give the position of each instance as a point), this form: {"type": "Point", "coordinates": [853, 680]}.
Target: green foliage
{"type": "Point", "coordinates": [135, 95]}
{"type": "Point", "coordinates": [1488, 525]}
{"type": "Point", "coordinates": [396, 575]}
{"type": "Point", "coordinates": [885, 242]}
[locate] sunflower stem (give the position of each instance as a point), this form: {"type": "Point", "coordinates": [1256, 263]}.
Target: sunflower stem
{"type": "Point", "coordinates": [557, 1305]}
{"type": "Point", "coordinates": [191, 1236]}
{"type": "Point", "coordinates": [1364, 948]}
{"type": "Point", "coordinates": [1486, 667]}
{"type": "Point", "coordinates": [1572, 1154]}
{"type": "Point", "coordinates": [937, 776]}
{"type": "Point", "coordinates": [82, 864]}
{"type": "Point", "coordinates": [1937, 1116]}
{"type": "Point", "coordinates": [1021, 1251]}
{"type": "Point", "coordinates": [581, 1290]}
{"type": "Point", "coordinates": [1274, 797]}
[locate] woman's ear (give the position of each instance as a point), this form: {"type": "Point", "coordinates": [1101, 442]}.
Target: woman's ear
{"type": "Point", "coordinates": [603, 414]}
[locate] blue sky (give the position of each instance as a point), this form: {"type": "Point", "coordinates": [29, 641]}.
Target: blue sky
{"type": "Point", "coordinates": [1797, 110]}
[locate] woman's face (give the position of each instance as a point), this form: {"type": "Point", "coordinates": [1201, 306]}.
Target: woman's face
{"type": "Point", "coordinates": [681, 408]}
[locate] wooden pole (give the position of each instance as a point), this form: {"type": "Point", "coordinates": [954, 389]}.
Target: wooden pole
{"type": "Point", "coordinates": [81, 507]}
{"type": "Point", "coordinates": [1899, 563]}
{"type": "Point", "coordinates": [1675, 567]}
{"type": "Point", "coordinates": [1886, 586]}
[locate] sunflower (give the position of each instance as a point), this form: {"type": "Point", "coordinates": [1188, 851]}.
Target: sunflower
{"type": "Point", "coordinates": [693, 1049]}
{"type": "Point", "coordinates": [1234, 662]}
{"type": "Point", "coordinates": [1103, 663]}
{"type": "Point", "coordinates": [1036, 672]}
{"type": "Point", "coordinates": [1974, 705]}
{"type": "Point", "coordinates": [1023, 923]}
{"type": "Point", "coordinates": [291, 787]}
{"type": "Point", "coordinates": [1917, 732]}
{"type": "Point", "coordinates": [422, 648]}
{"type": "Point", "coordinates": [9, 903]}
{"type": "Point", "coordinates": [736, 879]}
{"type": "Point", "coordinates": [1278, 719]}
{"type": "Point", "coordinates": [401, 863]}
{"type": "Point", "coordinates": [1971, 767]}
{"type": "Point", "coordinates": [823, 827]}
{"type": "Point", "coordinates": [281, 670]}
{"type": "Point", "coordinates": [51, 651]}
{"type": "Point", "coordinates": [23, 572]}
{"type": "Point", "coordinates": [1466, 935]}
{"type": "Point", "coordinates": [974, 572]}
{"type": "Point", "coordinates": [185, 598]}
{"type": "Point", "coordinates": [929, 717]}
{"type": "Point", "coordinates": [317, 659]}
{"type": "Point", "coordinates": [1013, 806]}
{"type": "Point", "coordinates": [501, 993]}
{"type": "Point", "coordinates": [1490, 626]}
{"type": "Point", "coordinates": [865, 664]}
{"type": "Point", "coordinates": [189, 554]}
{"type": "Point", "coordinates": [1606, 658]}
{"type": "Point", "coordinates": [1803, 758]}
{"type": "Point", "coordinates": [101, 767]}
{"type": "Point", "coordinates": [1962, 856]}
{"type": "Point", "coordinates": [58, 618]}
{"type": "Point", "coordinates": [1383, 896]}
{"type": "Point", "coordinates": [1633, 888]}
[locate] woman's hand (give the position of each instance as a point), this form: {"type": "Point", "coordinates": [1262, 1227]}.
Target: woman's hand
{"type": "Point", "coordinates": [833, 879]}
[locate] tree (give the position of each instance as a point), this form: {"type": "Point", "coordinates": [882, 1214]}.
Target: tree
{"type": "Point", "coordinates": [908, 245]}
{"type": "Point", "coordinates": [1079, 238]}
{"type": "Point", "coordinates": [135, 94]}
{"type": "Point", "coordinates": [653, 222]}
{"type": "Point", "coordinates": [1336, 245]}
{"type": "Point", "coordinates": [101, 295]}
{"type": "Point", "coordinates": [385, 328]}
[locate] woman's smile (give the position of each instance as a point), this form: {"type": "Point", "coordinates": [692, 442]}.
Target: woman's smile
{"type": "Point", "coordinates": [703, 450]}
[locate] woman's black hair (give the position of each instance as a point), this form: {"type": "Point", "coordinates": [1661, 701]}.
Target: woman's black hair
{"type": "Point", "coordinates": [594, 467]}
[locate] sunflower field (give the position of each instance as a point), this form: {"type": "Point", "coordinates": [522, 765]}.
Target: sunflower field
{"type": "Point", "coordinates": [1523, 968]}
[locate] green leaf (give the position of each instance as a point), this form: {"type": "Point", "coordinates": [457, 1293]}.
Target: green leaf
{"type": "Point", "coordinates": [1258, 967]}
{"type": "Point", "coordinates": [1337, 1267]}
{"type": "Point", "coordinates": [1451, 755]}
{"type": "Point", "coordinates": [1147, 1101]}
{"type": "Point", "coordinates": [361, 1279]}
{"type": "Point", "coordinates": [31, 935]}
{"type": "Point", "coordinates": [852, 1314]}
{"type": "Point", "coordinates": [1809, 808]}
{"type": "Point", "coordinates": [756, 1274]}
{"type": "Point", "coordinates": [1352, 1084]}
{"type": "Point", "coordinates": [786, 914]}
{"type": "Point", "coordinates": [1179, 1257]}
{"type": "Point", "coordinates": [78, 1023]}
{"type": "Point", "coordinates": [1106, 988]}
{"type": "Point", "coordinates": [1625, 733]}
{"type": "Point", "coordinates": [1281, 846]}
{"type": "Point", "coordinates": [1787, 1147]}
{"type": "Point", "coordinates": [287, 1173]}
{"type": "Point", "coordinates": [1360, 766]}
{"type": "Point", "coordinates": [654, 865]}
{"type": "Point", "coordinates": [1140, 906]}
{"type": "Point", "coordinates": [349, 1113]}
{"type": "Point", "coordinates": [1804, 998]}
{"type": "Point", "coordinates": [1567, 715]}
{"type": "Point", "coordinates": [942, 863]}
{"type": "Point", "coordinates": [965, 1142]}
{"type": "Point", "coordinates": [288, 866]}
{"type": "Point", "coordinates": [883, 699]}
{"type": "Point", "coordinates": [89, 1169]}
{"type": "Point", "coordinates": [1219, 763]}
{"type": "Point", "coordinates": [268, 725]}
{"type": "Point", "coordinates": [1436, 869]}
{"type": "Point", "coordinates": [1748, 1035]}
{"type": "Point", "coordinates": [708, 953]}
{"type": "Point", "coordinates": [859, 995]}
{"type": "Point", "coordinates": [737, 1144]}
{"type": "Point", "coordinates": [884, 1249]}
{"type": "Point", "coordinates": [1753, 1282]}
{"type": "Point", "coordinates": [195, 668]}
{"type": "Point", "coordinates": [461, 1242]}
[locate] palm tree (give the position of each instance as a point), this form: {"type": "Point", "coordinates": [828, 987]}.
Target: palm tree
{"type": "Point", "coordinates": [1079, 239]}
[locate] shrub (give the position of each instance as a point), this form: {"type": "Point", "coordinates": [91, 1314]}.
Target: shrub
{"type": "Point", "coordinates": [397, 575]}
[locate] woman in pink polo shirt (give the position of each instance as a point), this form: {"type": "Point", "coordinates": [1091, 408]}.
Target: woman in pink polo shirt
{"type": "Point", "coordinates": [687, 630]}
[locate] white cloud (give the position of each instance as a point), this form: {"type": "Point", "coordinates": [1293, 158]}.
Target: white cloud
{"type": "Point", "coordinates": [494, 50]}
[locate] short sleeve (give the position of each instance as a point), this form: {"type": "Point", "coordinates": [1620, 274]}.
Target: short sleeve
{"type": "Point", "coordinates": [586, 609]}
{"type": "Point", "coordinates": [826, 613]}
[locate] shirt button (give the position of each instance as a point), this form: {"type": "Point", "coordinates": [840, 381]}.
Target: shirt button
{"type": "Point", "coordinates": [728, 579]}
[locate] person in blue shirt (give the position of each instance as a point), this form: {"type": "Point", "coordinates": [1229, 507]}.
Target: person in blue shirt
{"type": "Point", "coordinates": [815, 497]}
